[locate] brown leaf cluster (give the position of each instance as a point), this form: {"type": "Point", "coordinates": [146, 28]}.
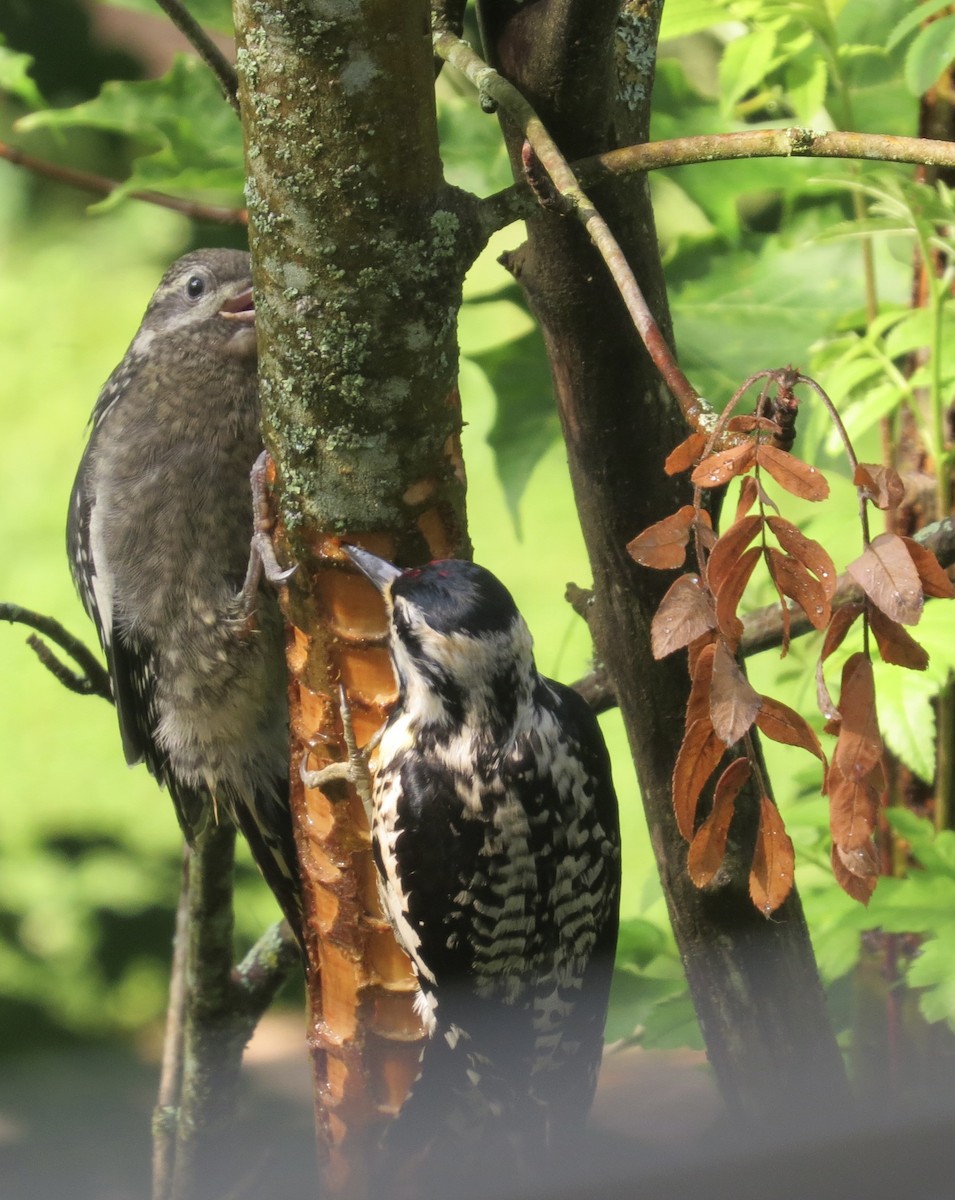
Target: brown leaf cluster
{"type": "Point", "coordinates": [701, 612]}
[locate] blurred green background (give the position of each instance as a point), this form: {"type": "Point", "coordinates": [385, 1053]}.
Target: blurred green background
{"type": "Point", "coordinates": [90, 851]}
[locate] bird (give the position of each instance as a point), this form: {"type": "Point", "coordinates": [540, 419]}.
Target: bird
{"type": "Point", "coordinates": [166, 547]}
{"type": "Point", "coordinates": [495, 835]}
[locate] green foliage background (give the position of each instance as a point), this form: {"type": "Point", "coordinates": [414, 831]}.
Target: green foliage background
{"type": "Point", "coordinates": [89, 851]}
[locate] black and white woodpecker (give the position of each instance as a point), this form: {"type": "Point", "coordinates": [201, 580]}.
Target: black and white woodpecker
{"type": "Point", "coordinates": [158, 536]}
{"type": "Point", "coordinates": [495, 835]}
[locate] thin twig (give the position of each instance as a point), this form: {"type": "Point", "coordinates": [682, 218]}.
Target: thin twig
{"type": "Point", "coordinates": [495, 90]}
{"type": "Point", "coordinates": [87, 181]}
{"type": "Point", "coordinates": [205, 47]}
{"type": "Point", "coordinates": [792, 142]}
{"type": "Point", "coordinates": [94, 679]}
{"type": "Point", "coordinates": [166, 1112]}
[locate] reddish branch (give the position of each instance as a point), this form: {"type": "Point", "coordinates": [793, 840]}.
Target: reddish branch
{"type": "Point", "coordinates": [87, 181]}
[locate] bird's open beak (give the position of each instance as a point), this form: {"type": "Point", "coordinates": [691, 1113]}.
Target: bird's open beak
{"type": "Point", "coordinates": [240, 307]}
{"type": "Point", "coordinates": [379, 570]}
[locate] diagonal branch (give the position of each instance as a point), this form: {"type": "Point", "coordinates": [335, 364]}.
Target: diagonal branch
{"type": "Point", "coordinates": [205, 47]}
{"type": "Point", "coordinates": [495, 91]}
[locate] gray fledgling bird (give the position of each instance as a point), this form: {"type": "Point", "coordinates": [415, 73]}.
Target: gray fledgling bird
{"type": "Point", "coordinates": [159, 530]}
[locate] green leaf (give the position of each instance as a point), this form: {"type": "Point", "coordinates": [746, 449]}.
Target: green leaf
{"type": "Point", "coordinates": [906, 717]}
{"type": "Point", "coordinates": [930, 55]}
{"type": "Point", "coordinates": [806, 78]}
{"type": "Point", "coordinates": [683, 17]}
{"type": "Point", "coordinates": [487, 324]}
{"type": "Point", "coordinates": [640, 942]}
{"type": "Point", "coordinates": [526, 422]}
{"type": "Point", "coordinates": [213, 14]}
{"type": "Point", "coordinates": [193, 139]}
{"type": "Point", "coordinates": [914, 19]}
{"type": "Point", "coordinates": [745, 64]}
{"type": "Point", "coordinates": [16, 79]}
{"type": "Point", "coordinates": [472, 149]}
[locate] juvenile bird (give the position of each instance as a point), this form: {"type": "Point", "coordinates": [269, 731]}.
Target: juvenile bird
{"type": "Point", "coordinates": [159, 530]}
{"type": "Point", "coordinates": [495, 834]}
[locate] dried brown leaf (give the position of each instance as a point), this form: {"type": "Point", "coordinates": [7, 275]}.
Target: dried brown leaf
{"type": "Point", "coordinates": [728, 550]}
{"type": "Point", "coordinates": [794, 581]}
{"type": "Point", "coordinates": [701, 671]}
{"type": "Point", "coordinates": [859, 746]}
{"type": "Point", "coordinates": [685, 613]}
{"type": "Point", "coordinates": [704, 643]}
{"type": "Point", "coordinates": [859, 887]}
{"type": "Point", "coordinates": [783, 724]}
{"type": "Point", "coordinates": [881, 485]}
{"type": "Point", "coordinates": [888, 576]}
{"type": "Point", "coordinates": [718, 469]}
{"type": "Point", "coordinates": [842, 621]}
{"type": "Point", "coordinates": [733, 701]}
{"type": "Point", "coordinates": [747, 423]}
{"type": "Point", "coordinates": [748, 493]}
{"type": "Point", "coordinates": [698, 758]}
{"type": "Point", "coordinates": [729, 595]}
{"type": "Point", "coordinates": [792, 473]}
{"type": "Point", "coordinates": [682, 457]}
{"type": "Point", "coordinates": [771, 873]}
{"type": "Point", "coordinates": [806, 551]}
{"type": "Point", "coordinates": [896, 644]}
{"type": "Point", "coordinates": [935, 580]}
{"type": "Point", "coordinates": [663, 544]}
{"type": "Point", "coordinates": [709, 842]}
{"type": "Point", "coordinates": [853, 808]}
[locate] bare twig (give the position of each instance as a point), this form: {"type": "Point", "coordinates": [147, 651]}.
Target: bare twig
{"type": "Point", "coordinates": [792, 142]}
{"type": "Point", "coordinates": [495, 91]}
{"type": "Point", "coordinates": [212, 1038]}
{"type": "Point", "coordinates": [93, 680]}
{"type": "Point", "coordinates": [87, 181]}
{"type": "Point", "coordinates": [166, 1112]}
{"type": "Point", "coordinates": [205, 47]}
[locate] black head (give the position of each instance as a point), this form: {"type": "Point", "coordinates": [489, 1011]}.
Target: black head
{"type": "Point", "coordinates": [457, 638]}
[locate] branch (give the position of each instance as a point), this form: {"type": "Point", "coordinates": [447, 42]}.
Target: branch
{"type": "Point", "coordinates": [88, 182]}
{"type": "Point", "coordinates": [212, 1038]}
{"type": "Point", "coordinates": [495, 91]}
{"type": "Point", "coordinates": [518, 201]}
{"type": "Point", "coordinates": [94, 680]}
{"type": "Point", "coordinates": [166, 1111]}
{"type": "Point", "coordinates": [265, 968]}
{"type": "Point", "coordinates": [205, 47]}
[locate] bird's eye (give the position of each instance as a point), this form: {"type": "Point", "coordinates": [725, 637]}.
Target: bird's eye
{"type": "Point", "coordinates": [195, 287]}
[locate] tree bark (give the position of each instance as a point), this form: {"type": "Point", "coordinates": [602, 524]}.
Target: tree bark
{"type": "Point", "coordinates": [359, 250]}
{"type": "Point", "coordinates": [753, 981]}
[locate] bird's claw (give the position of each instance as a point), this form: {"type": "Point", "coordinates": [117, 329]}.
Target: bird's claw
{"type": "Point", "coordinates": [354, 769]}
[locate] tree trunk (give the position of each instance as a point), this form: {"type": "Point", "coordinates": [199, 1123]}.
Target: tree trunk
{"type": "Point", "coordinates": [359, 250]}
{"type": "Point", "coordinates": [587, 67]}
